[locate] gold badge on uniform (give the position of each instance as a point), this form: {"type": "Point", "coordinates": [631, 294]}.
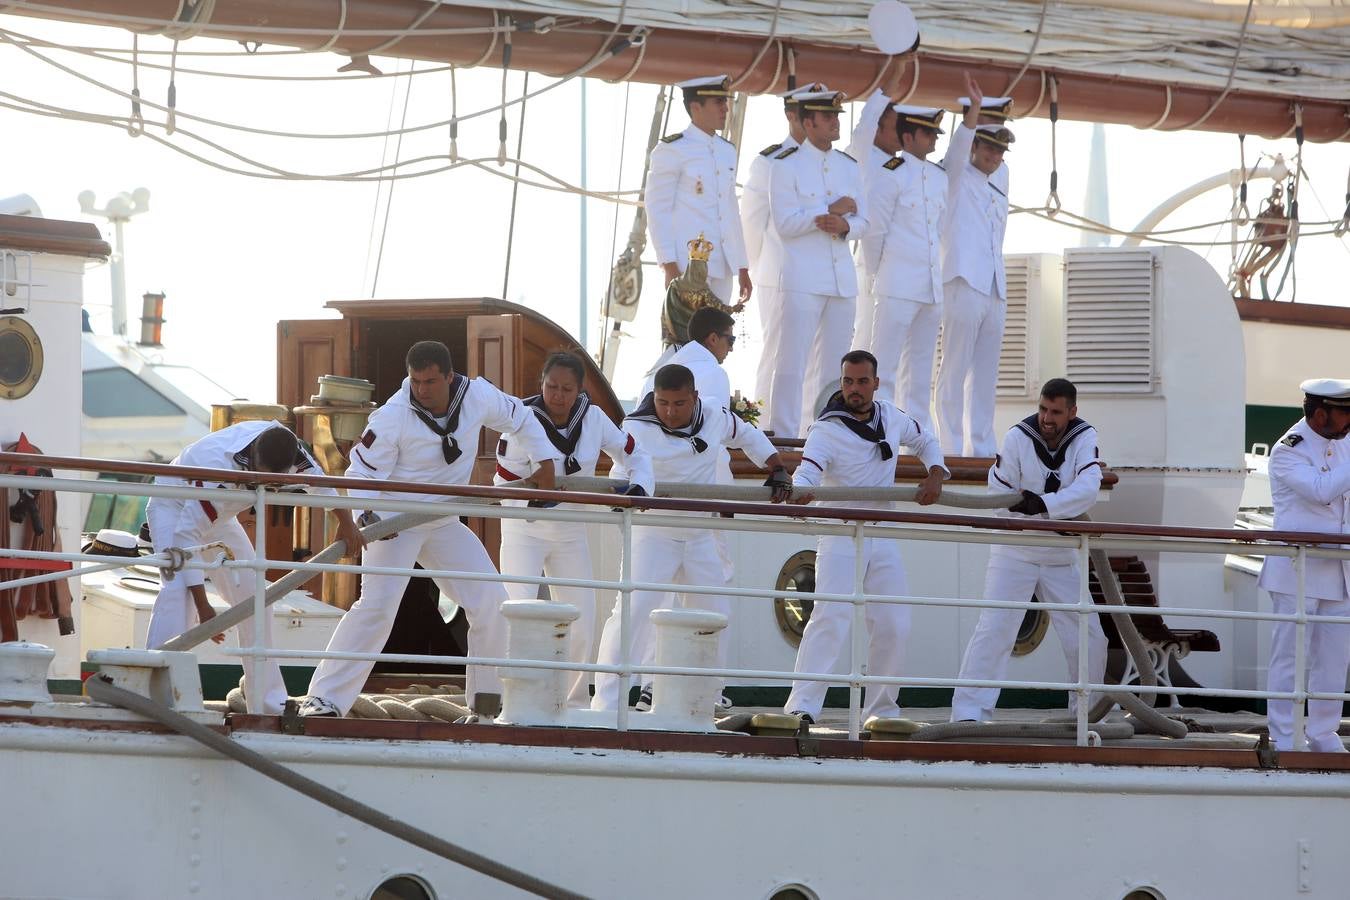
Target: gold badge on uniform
{"type": "Point", "coordinates": [698, 185]}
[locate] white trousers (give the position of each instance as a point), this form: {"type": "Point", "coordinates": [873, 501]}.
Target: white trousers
{"type": "Point", "coordinates": [862, 315]}
{"type": "Point", "coordinates": [972, 338]}
{"type": "Point", "coordinates": [906, 333]}
{"type": "Point", "coordinates": [664, 556]}
{"type": "Point", "coordinates": [827, 633]}
{"type": "Point", "coordinates": [1328, 657]}
{"type": "Point", "coordinates": [816, 330]}
{"type": "Point", "coordinates": [991, 645]}
{"type": "Point", "coordinates": [174, 612]}
{"type": "Point", "coordinates": [770, 323]}
{"type": "Point", "coordinates": [532, 548]}
{"type": "Point", "coordinates": [365, 627]}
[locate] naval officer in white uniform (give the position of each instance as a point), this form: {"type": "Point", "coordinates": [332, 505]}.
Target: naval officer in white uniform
{"type": "Point", "coordinates": [976, 290]}
{"type": "Point", "coordinates": [684, 436]}
{"type": "Point", "coordinates": [578, 432]}
{"type": "Point", "coordinates": [427, 431]}
{"type": "Point", "coordinates": [817, 203]}
{"type": "Point", "coordinates": [1310, 485]}
{"type": "Point", "coordinates": [245, 446]}
{"type": "Point", "coordinates": [1052, 458]}
{"type": "Point", "coordinates": [992, 111]}
{"type": "Point", "coordinates": [762, 245]}
{"type": "Point", "coordinates": [691, 191]}
{"type": "Point", "coordinates": [855, 443]}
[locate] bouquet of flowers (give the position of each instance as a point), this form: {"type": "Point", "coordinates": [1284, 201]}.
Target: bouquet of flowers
{"type": "Point", "coordinates": [745, 408]}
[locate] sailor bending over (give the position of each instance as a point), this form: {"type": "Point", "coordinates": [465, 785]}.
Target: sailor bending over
{"type": "Point", "coordinates": [428, 431]}
{"type": "Point", "coordinates": [578, 432]}
{"type": "Point", "coordinates": [685, 436]}
{"type": "Point", "coordinates": [855, 443]}
{"type": "Point", "coordinates": [1310, 485]}
{"type": "Point", "coordinates": [1051, 457]}
{"type": "Point", "coordinates": [247, 446]}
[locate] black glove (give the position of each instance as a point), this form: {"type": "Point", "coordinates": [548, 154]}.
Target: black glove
{"type": "Point", "coordinates": [780, 482]}
{"type": "Point", "coordinates": [628, 490]}
{"type": "Point", "coordinates": [1031, 504]}
{"type": "Point", "coordinates": [542, 504]}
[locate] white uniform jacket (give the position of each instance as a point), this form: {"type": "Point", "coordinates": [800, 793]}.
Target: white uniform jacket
{"type": "Point", "coordinates": [594, 432]}
{"type": "Point", "coordinates": [839, 451]}
{"type": "Point", "coordinates": [692, 454]}
{"type": "Point", "coordinates": [762, 245]}
{"type": "Point", "coordinates": [228, 449]}
{"type": "Point", "coordinates": [691, 189]}
{"type": "Point", "coordinates": [976, 221]}
{"type": "Point", "coordinates": [862, 141]}
{"type": "Point", "coordinates": [903, 248]}
{"type": "Point", "coordinates": [710, 379]}
{"type": "Point", "coordinates": [1310, 485]}
{"type": "Point", "coordinates": [803, 182]}
{"type": "Point", "coordinates": [1066, 478]}
{"type": "Point", "coordinates": [399, 444]}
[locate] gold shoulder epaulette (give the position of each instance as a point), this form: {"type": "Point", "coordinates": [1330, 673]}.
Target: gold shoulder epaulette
{"type": "Point", "coordinates": [786, 153]}
{"type": "Point", "coordinates": [842, 153]}
{"type": "Point", "coordinates": [672, 138]}
{"type": "Point", "coordinates": [893, 164]}
{"type": "Point", "coordinates": [771, 149]}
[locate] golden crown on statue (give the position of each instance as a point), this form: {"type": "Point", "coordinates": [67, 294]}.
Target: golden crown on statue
{"type": "Point", "coordinates": [700, 248]}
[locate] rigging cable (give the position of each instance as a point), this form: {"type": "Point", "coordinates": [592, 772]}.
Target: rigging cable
{"type": "Point", "coordinates": [515, 185]}
{"type": "Point", "coordinates": [1052, 201]}
{"type": "Point", "coordinates": [1228, 83]}
{"type": "Point", "coordinates": [389, 196]}
{"type": "Point", "coordinates": [136, 126]}
{"type": "Point", "coordinates": [171, 119]}
{"type": "Point", "coordinates": [1031, 52]}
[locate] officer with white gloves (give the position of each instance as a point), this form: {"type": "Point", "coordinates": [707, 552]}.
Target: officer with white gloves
{"type": "Point", "coordinates": [976, 288]}
{"type": "Point", "coordinates": [1051, 458]}
{"type": "Point", "coordinates": [578, 432]}
{"type": "Point", "coordinates": [855, 443]}
{"type": "Point", "coordinates": [427, 431]}
{"type": "Point", "coordinates": [691, 191]}
{"type": "Point", "coordinates": [245, 446]}
{"type": "Point", "coordinates": [684, 436]}
{"type": "Point", "coordinates": [1310, 485]}
{"type": "Point", "coordinates": [817, 203]}
{"type": "Point", "coordinates": [903, 250]}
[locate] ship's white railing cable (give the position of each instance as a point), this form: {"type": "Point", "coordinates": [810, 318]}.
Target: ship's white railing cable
{"type": "Point", "coordinates": [775, 519]}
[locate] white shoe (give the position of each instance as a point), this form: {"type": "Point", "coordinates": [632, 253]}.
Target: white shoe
{"type": "Point", "coordinates": [318, 706]}
{"type": "Point", "coordinates": [1330, 743]}
{"type": "Point", "coordinates": [644, 701]}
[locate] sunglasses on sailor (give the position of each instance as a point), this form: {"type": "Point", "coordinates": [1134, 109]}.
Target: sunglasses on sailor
{"type": "Point", "coordinates": [729, 337]}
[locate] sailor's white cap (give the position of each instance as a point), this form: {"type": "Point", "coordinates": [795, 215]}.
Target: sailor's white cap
{"type": "Point", "coordinates": [1332, 391]}
{"type": "Point", "coordinates": [927, 116]}
{"type": "Point", "coordinates": [707, 86]}
{"type": "Point", "coordinates": [115, 538]}
{"type": "Point", "coordinates": [998, 135]}
{"type": "Point", "coordinates": [994, 107]}
{"type": "Point", "coordinates": [821, 101]}
{"type": "Point", "coordinates": [811, 87]}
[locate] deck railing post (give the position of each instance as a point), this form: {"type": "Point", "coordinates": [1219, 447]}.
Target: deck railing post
{"type": "Point", "coordinates": [1083, 676]}
{"type": "Point", "coordinates": [625, 617]}
{"type": "Point", "coordinates": [1300, 646]}
{"type": "Point", "coordinates": [253, 664]}
{"type": "Point", "coordinates": [857, 649]}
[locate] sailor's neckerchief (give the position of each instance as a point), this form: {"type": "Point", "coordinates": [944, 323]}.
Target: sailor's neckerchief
{"type": "Point", "coordinates": [459, 387]}
{"type": "Point", "coordinates": [646, 412]}
{"type": "Point", "coordinates": [564, 444]}
{"type": "Point", "coordinates": [873, 430]}
{"type": "Point", "coordinates": [1051, 459]}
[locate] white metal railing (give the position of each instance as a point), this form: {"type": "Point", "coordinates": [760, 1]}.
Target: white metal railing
{"type": "Point", "coordinates": [802, 521]}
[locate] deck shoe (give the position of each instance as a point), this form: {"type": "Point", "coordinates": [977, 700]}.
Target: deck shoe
{"type": "Point", "coordinates": [804, 716]}
{"type": "Point", "coordinates": [644, 703]}
{"type": "Point", "coordinates": [318, 706]}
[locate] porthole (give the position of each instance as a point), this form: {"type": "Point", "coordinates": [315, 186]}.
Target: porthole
{"type": "Point", "coordinates": [1144, 893]}
{"type": "Point", "coordinates": [793, 892]}
{"type": "Point", "coordinates": [403, 887]}
{"type": "Point", "coordinates": [20, 358]}
{"type": "Point", "coordinates": [1032, 630]}
{"type": "Point", "coordinates": [792, 613]}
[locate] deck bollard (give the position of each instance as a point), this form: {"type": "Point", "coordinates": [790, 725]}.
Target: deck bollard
{"type": "Point", "coordinates": [165, 676]}
{"type": "Point", "coordinates": [686, 638]}
{"type": "Point", "coordinates": [23, 672]}
{"type": "Point", "coordinates": [536, 630]}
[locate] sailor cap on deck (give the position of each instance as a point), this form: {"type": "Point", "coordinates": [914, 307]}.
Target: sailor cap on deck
{"type": "Point", "coordinates": [927, 116]}
{"type": "Point", "coordinates": [994, 107]}
{"type": "Point", "coordinates": [821, 101]}
{"type": "Point", "coordinates": [1331, 391]}
{"type": "Point", "coordinates": [998, 135]}
{"type": "Point", "coordinates": [707, 86]}
{"type": "Point", "coordinates": [111, 542]}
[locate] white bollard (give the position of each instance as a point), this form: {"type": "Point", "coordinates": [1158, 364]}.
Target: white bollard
{"type": "Point", "coordinates": [686, 638]}
{"type": "Point", "coordinates": [536, 630]}
{"type": "Point", "coordinates": [23, 672]}
{"type": "Point", "coordinates": [169, 677]}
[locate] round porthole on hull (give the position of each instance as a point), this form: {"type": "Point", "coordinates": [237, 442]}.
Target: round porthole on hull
{"type": "Point", "coordinates": [791, 613]}
{"type": "Point", "coordinates": [20, 358]}
{"type": "Point", "coordinates": [403, 887]}
{"type": "Point", "coordinates": [793, 892]}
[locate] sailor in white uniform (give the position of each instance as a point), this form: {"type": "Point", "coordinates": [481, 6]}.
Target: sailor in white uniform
{"type": "Point", "coordinates": [684, 436]}
{"type": "Point", "coordinates": [578, 432]}
{"type": "Point", "coordinates": [762, 245]}
{"type": "Point", "coordinates": [1051, 457]}
{"type": "Point", "coordinates": [855, 443]}
{"type": "Point", "coordinates": [1310, 485]}
{"type": "Point", "coordinates": [903, 250]}
{"type": "Point", "coordinates": [817, 203]}
{"type": "Point", "coordinates": [691, 191]}
{"type": "Point", "coordinates": [993, 111]}
{"type": "Point", "coordinates": [246, 446]}
{"type": "Point", "coordinates": [427, 431]}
